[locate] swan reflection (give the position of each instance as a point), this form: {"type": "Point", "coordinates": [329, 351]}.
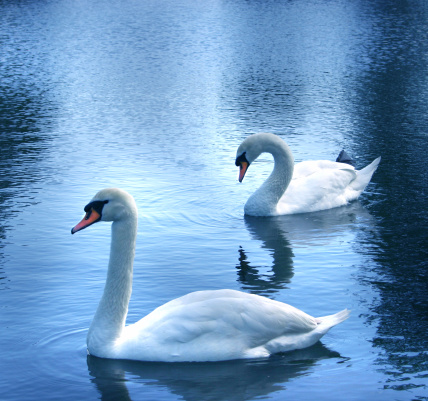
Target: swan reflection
{"type": "Point", "coordinates": [240, 379]}
{"type": "Point", "coordinates": [268, 231]}
{"type": "Point", "coordinates": [279, 235]}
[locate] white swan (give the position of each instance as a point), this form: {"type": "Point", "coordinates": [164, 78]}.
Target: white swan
{"type": "Point", "coordinates": [305, 187]}
{"type": "Point", "coordinates": [200, 326]}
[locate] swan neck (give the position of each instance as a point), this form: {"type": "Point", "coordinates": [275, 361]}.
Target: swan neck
{"type": "Point", "coordinates": [265, 200]}
{"type": "Point", "coordinates": [282, 173]}
{"type": "Point", "coordinates": [284, 166]}
{"type": "Point", "coordinates": [110, 317]}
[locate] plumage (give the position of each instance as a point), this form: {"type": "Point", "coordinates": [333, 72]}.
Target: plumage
{"type": "Point", "coordinates": [308, 186]}
{"type": "Point", "coordinates": [200, 326]}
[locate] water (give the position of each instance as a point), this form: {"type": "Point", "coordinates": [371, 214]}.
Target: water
{"type": "Point", "coordinates": [155, 97]}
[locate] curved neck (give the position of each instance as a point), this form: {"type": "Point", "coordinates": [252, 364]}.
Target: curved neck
{"type": "Point", "coordinates": [109, 319]}
{"type": "Point", "coordinates": [264, 201]}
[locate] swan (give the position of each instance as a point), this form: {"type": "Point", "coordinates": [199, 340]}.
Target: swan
{"type": "Point", "coordinates": [308, 186]}
{"type": "Point", "coordinates": [201, 326]}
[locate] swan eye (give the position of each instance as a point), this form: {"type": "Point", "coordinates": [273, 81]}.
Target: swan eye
{"type": "Point", "coordinates": [95, 205]}
{"type": "Point", "coordinates": [241, 159]}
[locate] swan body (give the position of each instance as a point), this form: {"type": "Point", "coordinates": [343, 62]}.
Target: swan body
{"type": "Point", "coordinates": [308, 186]}
{"type": "Point", "coordinates": [200, 326]}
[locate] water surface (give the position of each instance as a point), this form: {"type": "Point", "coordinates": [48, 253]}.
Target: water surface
{"type": "Point", "coordinates": [155, 98]}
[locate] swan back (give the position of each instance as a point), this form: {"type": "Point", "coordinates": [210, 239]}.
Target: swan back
{"type": "Point", "coordinates": [220, 325]}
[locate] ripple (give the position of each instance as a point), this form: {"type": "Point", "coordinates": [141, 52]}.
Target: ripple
{"type": "Point", "coordinates": [61, 357]}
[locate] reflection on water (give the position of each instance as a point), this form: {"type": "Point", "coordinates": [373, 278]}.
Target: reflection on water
{"type": "Point", "coordinates": [274, 240]}
{"type": "Point", "coordinates": [20, 149]}
{"type": "Point", "coordinates": [279, 234]}
{"type": "Point", "coordinates": [391, 102]}
{"type": "Point", "coordinates": [263, 283]}
{"type": "Point", "coordinates": [237, 380]}
{"type": "Point", "coordinates": [24, 115]}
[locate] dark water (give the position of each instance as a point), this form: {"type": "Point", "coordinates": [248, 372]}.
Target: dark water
{"type": "Point", "coordinates": [155, 97]}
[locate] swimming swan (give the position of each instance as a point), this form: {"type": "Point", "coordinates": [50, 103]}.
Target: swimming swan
{"type": "Point", "coordinates": [305, 187]}
{"type": "Point", "coordinates": [200, 326]}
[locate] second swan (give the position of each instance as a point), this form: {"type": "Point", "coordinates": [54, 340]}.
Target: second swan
{"type": "Point", "coordinates": [308, 186]}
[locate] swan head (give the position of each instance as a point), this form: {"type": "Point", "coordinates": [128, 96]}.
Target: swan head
{"type": "Point", "coordinates": [252, 147]}
{"type": "Point", "coordinates": [110, 204]}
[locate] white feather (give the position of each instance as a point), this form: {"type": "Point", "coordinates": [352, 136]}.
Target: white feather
{"type": "Point", "coordinates": [200, 326]}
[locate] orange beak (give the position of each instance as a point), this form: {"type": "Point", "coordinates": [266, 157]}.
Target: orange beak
{"type": "Point", "coordinates": [90, 218]}
{"type": "Point", "coordinates": [243, 166]}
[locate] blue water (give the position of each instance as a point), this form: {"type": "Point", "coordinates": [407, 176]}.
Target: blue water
{"type": "Point", "coordinates": [155, 97]}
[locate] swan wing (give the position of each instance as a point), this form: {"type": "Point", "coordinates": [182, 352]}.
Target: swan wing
{"type": "Point", "coordinates": [318, 185]}
{"type": "Point", "coordinates": [253, 318]}
{"type": "Point", "coordinates": [216, 325]}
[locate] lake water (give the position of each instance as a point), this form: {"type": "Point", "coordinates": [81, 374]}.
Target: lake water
{"type": "Point", "coordinates": [155, 97]}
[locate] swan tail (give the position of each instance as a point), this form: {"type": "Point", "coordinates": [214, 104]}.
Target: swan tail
{"type": "Point", "coordinates": [365, 175]}
{"type": "Point", "coordinates": [325, 323]}
{"type": "Point", "coordinates": [371, 168]}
